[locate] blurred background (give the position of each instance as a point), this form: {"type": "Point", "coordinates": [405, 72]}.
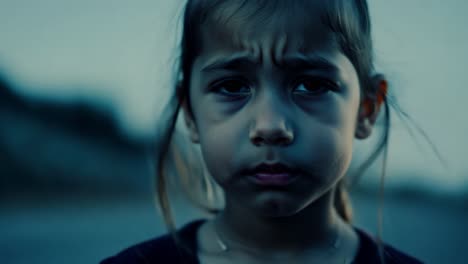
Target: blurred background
{"type": "Point", "coordinates": [82, 85]}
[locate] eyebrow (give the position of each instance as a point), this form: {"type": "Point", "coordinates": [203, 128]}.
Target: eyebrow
{"type": "Point", "coordinates": [292, 63]}
{"type": "Point", "coordinates": [302, 62]}
{"type": "Point", "coordinates": [230, 64]}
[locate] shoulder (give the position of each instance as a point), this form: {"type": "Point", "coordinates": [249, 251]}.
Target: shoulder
{"type": "Point", "coordinates": [369, 252]}
{"type": "Point", "coordinates": [393, 255]}
{"type": "Point", "coordinates": [163, 249]}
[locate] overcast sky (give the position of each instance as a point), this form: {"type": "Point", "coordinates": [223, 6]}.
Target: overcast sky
{"type": "Point", "coordinates": [122, 52]}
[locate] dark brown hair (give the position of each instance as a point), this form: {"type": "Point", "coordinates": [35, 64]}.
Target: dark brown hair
{"type": "Point", "coordinates": [351, 24]}
{"type": "Point", "coordinates": [348, 19]}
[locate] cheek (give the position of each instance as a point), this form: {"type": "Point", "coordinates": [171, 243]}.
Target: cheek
{"type": "Point", "coordinates": [338, 154]}
{"type": "Point", "coordinates": [328, 153]}
{"type": "Point", "coordinates": [328, 140]}
{"type": "Point", "coordinates": [218, 144]}
{"type": "Point", "coordinates": [221, 136]}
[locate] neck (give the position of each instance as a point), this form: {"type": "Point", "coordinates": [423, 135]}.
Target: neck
{"type": "Point", "coordinates": [315, 226]}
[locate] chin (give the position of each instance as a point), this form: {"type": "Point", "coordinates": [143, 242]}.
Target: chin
{"type": "Point", "coordinates": [276, 207]}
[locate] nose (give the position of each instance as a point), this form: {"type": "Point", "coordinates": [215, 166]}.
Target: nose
{"type": "Point", "coordinates": [270, 126]}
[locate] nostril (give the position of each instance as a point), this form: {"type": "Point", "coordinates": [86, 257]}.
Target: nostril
{"type": "Point", "coordinates": [277, 138]}
{"type": "Point", "coordinates": [285, 140]}
{"type": "Point", "coordinates": [257, 140]}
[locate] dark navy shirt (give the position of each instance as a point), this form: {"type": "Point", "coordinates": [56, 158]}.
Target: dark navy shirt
{"type": "Point", "coordinates": [165, 250]}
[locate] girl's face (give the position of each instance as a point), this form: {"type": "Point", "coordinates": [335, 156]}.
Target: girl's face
{"type": "Point", "coordinates": [273, 90]}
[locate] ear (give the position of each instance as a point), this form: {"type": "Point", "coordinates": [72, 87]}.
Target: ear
{"type": "Point", "coordinates": [190, 121]}
{"type": "Point", "coordinates": [370, 106]}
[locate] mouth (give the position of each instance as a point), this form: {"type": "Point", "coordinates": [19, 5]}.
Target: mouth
{"type": "Point", "coordinates": [276, 174]}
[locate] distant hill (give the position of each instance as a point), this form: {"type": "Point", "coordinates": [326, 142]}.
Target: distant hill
{"type": "Point", "coordinates": [49, 146]}
{"type": "Point", "coordinates": [79, 117]}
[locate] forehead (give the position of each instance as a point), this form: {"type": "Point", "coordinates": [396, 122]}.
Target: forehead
{"type": "Point", "coordinates": [266, 28]}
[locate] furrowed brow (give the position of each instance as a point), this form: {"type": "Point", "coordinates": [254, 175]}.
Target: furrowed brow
{"type": "Point", "coordinates": [230, 64]}
{"type": "Point", "coordinates": [301, 63]}
{"type": "Point", "coordinates": [293, 63]}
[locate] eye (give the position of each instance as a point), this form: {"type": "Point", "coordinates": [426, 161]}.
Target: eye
{"type": "Point", "coordinates": [232, 88]}
{"type": "Point", "coordinates": [314, 86]}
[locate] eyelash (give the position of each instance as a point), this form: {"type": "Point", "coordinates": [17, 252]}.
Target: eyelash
{"type": "Point", "coordinates": [326, 85]}
{"type": "Point", "coordinates": [323, 83]}
{"type": "Point", "coordinates": [218, 86]}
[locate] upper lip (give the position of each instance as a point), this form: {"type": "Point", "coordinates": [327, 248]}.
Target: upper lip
{"type": "Point", "coordinates": [271, 168]}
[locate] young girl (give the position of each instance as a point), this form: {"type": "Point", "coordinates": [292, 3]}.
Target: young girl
{"type": "Point", "coordinates": [274, 92]}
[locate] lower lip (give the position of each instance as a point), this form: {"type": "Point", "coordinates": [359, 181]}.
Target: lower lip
{"type": "Point", "coordinates": [278, 179]}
